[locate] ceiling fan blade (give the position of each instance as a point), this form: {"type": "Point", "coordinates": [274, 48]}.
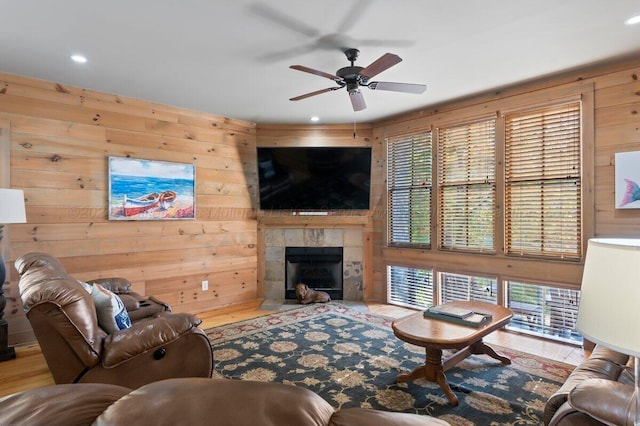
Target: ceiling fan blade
{"type": "Point", "coordinates": [383, 43]}
{"type": "Point", "coordinates": [384, 62]}
{"type": "Point", "coordinates": [286, 53]}
{"type": "Point", "coordinates": [271, 14]}
{"type": "Point", "coordinates": [317, 92]}
{"type": "Point", "coordinates": [353, 15]}
{"type": "Point", "coordinates": [316, 72]}
{"type": "Point", "coordinates": [398, 87]}
{"type": "Point", "coordinates": [357, 100]}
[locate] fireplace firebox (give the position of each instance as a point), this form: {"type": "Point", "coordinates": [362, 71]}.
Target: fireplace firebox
{"type": "Point", "coordinates": [318, 267]}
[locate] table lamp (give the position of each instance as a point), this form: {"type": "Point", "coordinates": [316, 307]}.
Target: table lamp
{"type": "Point", "coordinates": [610, 299]}
{"type": "Point", "coordinates": [11, 211]}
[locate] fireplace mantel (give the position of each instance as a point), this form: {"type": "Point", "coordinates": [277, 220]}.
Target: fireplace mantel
{"type": "Point", "coordinates": [283, 220]}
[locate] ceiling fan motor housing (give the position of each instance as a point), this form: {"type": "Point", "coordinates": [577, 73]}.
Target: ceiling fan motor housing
{"type": "Point", "coordinates": [352, 55]}
{"type": "Point", "coordinates": [351, 77]}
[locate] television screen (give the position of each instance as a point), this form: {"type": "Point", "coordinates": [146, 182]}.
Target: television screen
{"type": "Point", "coordinates": [314, 178]}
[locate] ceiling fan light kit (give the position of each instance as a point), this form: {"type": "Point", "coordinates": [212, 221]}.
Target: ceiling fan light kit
{"type": "Point", "coordinates": [353, 77]}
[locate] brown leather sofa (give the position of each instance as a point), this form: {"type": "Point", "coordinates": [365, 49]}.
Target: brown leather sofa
{"type": "Point", "coordinates": [158, 345]}
{"type": "Point", "coordinates": [598, 392]}
{"type": "Point", "coordinates": [190, 401]}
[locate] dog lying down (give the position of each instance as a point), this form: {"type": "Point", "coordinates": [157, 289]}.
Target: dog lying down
{"type": "Point", "coordinates": [308, 295]}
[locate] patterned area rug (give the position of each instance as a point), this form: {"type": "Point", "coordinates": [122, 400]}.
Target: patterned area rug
{"type": "Point", "coordinates": [351, 358]}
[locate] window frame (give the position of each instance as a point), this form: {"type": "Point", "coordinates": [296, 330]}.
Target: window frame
{"type": "Point", "coordinates": [466, 185]}
{"type": "Point", "coordinates": [581, 242]}
{"type": "Point", "coordinates": [415, 137]}
{"type": "Point", "coordinates": [561, 273]}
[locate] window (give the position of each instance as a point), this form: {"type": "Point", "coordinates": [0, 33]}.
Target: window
{"type": "Point", "coordinates": [409, 186]}
{"type": "Point", "coordinates": [410, 287]}
{"type": "Point", "coordinates": [506, 185]}
{"type": "Point", "coordinates": [543, 183]}
{"type": "Point", "coordinates": [544, 311]}
{"type": "Point", "coordinates": [466, 184]}
{"type": "Point", "coordinates": [466, 287]}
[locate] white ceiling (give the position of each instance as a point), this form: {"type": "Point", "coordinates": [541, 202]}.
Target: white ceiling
{"type": "Point", "coordinates": [232, 58]}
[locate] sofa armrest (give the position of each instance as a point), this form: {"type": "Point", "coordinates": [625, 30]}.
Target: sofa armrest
{"type": "Point", "coordinates": [116, 285]}
{"type": "Point", "coordinates": [566, 415]}
{"type": "Point", "coordinates": [166, 306]}
{"type": "Point", "coordinates": [66, 404]}
{"type": "Point", "coordinates": [602, 364]}
{"type": "Point", "coordinates": [132, 301]}
{"type": "Point", "coordinates": [145, 336]}
{"type": "Point", "coordinates": [606, 401]}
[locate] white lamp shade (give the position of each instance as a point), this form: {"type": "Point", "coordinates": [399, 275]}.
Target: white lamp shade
{"type": "Point", "coordinates": [609, 311]}
{"type": "Point", "coordinates": [12, 206]}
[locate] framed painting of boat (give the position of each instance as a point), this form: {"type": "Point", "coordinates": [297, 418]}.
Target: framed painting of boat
{"type": "Point", "coordinates": [150, 190]}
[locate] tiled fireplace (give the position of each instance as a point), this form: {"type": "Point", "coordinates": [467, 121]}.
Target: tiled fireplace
{"type": "Point", "coordinates": [277, 240]}
{"type": "Point", "coordinates": [319, 268]}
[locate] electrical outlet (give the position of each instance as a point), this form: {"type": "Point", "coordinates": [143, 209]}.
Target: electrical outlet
{"type": "Point", "coordinates": [205, 285]}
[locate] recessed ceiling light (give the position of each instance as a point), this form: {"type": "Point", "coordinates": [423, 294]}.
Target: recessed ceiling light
{"type": "Point", "coordinates": [79, 59]}
{"type": "Point", "coordinates": [314, 119]}
{"type": "Point", "coordinates": [633, 20]}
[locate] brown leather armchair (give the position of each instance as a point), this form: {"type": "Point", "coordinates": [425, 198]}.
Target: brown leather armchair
{"type": "Point", "coordinates": [158, 345]}
{"type": "Point", "coordinates": [597, 393]}
{"type": "Point", "coordinates": [191, 401]}
{"type": "Point", "coordinates": [599, 402]}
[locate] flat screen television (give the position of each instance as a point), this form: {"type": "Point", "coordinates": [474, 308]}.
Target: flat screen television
{"type": "Point", "coordinates": [314, 179]}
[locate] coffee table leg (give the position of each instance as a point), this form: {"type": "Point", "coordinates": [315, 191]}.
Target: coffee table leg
{"type": "Point", "coordinates": [433, 371]}
{"type": "Point", "coordinates": [418, 373]}
{"type": "Point", "coordinates": [479, 348]}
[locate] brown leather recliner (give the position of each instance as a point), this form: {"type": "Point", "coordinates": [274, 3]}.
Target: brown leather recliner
{"type": "Point", "coordinates": [598, 392]}
{"type": "Point", "coordinates": [158, 345]}
{"type": "Point", "coordinates": [191, 401]}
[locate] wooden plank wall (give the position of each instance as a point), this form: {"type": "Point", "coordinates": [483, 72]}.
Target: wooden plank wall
{"type": "Point", "coordinates": [616, 129]}
{"type": "Point", "coordinates": [60, 138]}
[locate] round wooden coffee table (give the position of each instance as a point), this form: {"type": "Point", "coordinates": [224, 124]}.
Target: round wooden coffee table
{"type": "Point", "coordinates": [436, 334]}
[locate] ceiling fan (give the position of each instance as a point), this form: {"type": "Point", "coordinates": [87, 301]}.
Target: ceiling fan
{"type": "Point", "coordinates": [354, 77]}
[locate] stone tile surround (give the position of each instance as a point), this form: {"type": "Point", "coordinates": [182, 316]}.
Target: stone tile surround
{"type": "Point", "coordinates": [276, 239]}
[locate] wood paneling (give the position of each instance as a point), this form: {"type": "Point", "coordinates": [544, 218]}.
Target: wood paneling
{"type": "Point", "coordinates": [60, 139]}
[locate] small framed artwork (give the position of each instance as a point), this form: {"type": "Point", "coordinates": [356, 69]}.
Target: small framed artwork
{"type": "Point", "coordinates": [628, 180]}
{"type": "Point", "coordinates": [150, 190]}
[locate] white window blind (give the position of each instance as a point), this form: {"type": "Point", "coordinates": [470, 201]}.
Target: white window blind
{"type": "Point", "coordinates": [466, 287]}
{"type": "Point", "coordinates": [544, 311]}
{"type": "Point", "coordinates": [410, 287]}
{"type": "Point", "coordinates": [409, 188]}
{"type": "Point", "coordinates": [466, 177]}
{"type": "Point", "coordinates": [543, 182]}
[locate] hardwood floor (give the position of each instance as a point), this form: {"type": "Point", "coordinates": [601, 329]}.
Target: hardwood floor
{"type": "Point", "coordinates": [29, 369]}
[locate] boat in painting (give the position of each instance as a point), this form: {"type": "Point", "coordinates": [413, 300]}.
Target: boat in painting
{"type": "Point", "coordinates": [167, 198]}
{"type": "Point", "coordinates": [134, 206]}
